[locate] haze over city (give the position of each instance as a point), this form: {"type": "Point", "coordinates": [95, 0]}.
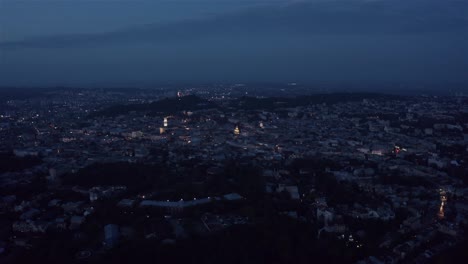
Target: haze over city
{"type": "Point", "coordinates": [132, 43]}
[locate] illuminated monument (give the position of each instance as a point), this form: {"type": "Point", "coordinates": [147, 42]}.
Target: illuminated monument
{"type": "Point", "coordinates": [236, 131]}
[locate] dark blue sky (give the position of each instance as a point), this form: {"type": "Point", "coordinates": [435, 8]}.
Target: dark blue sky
{"type": "Point", "coordinates": [135, 42]}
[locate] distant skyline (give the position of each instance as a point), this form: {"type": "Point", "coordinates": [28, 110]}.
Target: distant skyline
{"type": "Point", "coordinates": [132, 43]}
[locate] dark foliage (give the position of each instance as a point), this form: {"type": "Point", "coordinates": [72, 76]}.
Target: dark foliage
{"type": "Point", "coordinates": [11, 163]}
{"type": "Point", "coordinates": [131, 175]}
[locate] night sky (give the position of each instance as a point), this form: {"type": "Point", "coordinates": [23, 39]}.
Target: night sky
{"type": "Point", "coordinates": [141, 42]}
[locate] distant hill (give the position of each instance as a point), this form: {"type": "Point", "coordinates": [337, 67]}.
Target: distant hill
{"type": "Point", "coordinates": [15, 93]}
{"type": "Point", "coordinates": [192, 103]}
{"type": "Point", "coordinates": [165, 106]}
{"type": "Point", "coordinates": [272, 103]}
